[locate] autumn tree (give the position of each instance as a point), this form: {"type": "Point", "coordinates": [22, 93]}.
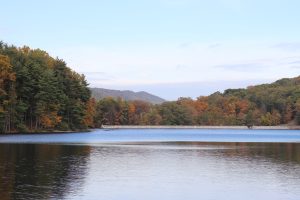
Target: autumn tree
{"type": "Point", "coordinates": [7, 94]}
{"type": "Point", "coordinates": [90, 113]}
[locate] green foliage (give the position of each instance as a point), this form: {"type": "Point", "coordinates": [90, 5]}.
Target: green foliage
{"type": "Point", "coordinates": [173, 113]}
{"type": "Point", "coordinates": [43, 93]}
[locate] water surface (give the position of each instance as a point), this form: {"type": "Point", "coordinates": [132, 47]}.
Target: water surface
{"type": "Point", "coordinates": [148, 165]}
{"type": "Point", "coordinates": [158, 135]}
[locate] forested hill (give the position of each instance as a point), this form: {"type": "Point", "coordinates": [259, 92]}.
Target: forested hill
{"type": "Point", "coordinates": [127, 95]}
{"type": "Point", "coordinates": [278, 101]}
{"type": "Point", "coordinates": [38, 92]}
{"type": "Point", "coordinates": [267, 104]}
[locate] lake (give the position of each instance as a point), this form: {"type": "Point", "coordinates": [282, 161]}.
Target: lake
{"type": "Point", "coordinates": [151, 164]}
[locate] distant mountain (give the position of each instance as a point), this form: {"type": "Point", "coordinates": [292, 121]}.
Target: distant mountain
{"type": "Point", "coordinates": [100, 93]}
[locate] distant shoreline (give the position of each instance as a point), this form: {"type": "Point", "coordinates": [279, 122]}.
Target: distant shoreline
{"type": "Point", "coordinates": [41, 132]}
{"type": "Point", "coordinates": [283, 127]}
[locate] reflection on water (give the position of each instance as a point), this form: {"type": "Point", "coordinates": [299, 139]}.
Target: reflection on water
{"type": "Point", "coordinates": [41, 171]}
{"type": "Point", "coordinates": [185, 170]}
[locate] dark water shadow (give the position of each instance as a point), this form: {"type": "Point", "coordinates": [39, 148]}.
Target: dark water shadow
{"type": "Point", "coordinates": [33, 171]}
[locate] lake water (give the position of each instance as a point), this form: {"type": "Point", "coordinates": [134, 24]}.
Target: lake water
{"type": "Point", "coordinates": [152, 164]}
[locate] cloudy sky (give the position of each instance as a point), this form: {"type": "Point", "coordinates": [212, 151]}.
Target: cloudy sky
{"type": "Point", "coordinates": [170, 48]}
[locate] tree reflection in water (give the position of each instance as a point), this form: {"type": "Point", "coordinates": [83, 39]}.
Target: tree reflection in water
{"type": "Point", "coordinates": [37, 171]}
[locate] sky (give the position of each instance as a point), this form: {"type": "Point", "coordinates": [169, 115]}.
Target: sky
{"type": "Point", "coordinates": [170, 48]}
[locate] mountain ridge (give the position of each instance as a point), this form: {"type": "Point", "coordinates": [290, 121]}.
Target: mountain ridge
{"type": "Point", "coordinates": [128, 95]}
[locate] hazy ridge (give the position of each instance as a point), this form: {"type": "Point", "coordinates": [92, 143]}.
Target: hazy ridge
{"type": "Point", "coordinates": [127, 95]}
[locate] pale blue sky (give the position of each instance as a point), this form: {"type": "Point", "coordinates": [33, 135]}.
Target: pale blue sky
{"type": "Point", "coordinates": [171, 48]}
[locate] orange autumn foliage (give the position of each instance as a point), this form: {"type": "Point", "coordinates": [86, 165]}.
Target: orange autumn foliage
{"type": "Point", "coordinates": [201, 104]}
{"type": "Point", "coordinates": [50, 120]}
{"type": "Point", "coordinates": [88, 120]}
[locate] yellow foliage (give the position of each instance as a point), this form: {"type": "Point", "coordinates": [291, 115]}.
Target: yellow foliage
{"type": "Point", "coordinates": [6, 72]}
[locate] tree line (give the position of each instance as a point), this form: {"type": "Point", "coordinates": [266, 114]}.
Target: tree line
{"type": "Point", "coordinates": [266, 105]}
{"type": "Point", "coordinates": [261, 105]}
{"type": "Point", "coordinates": [41, 93]}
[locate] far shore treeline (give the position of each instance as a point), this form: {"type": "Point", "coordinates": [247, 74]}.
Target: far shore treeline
{"type": "Point", "coordinates": [39, 93]}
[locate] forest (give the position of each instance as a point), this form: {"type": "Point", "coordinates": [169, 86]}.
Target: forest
{"type": "Point", "coordinates": [41, 93]}
{"type": "Point", "coordinates": [262, 105]}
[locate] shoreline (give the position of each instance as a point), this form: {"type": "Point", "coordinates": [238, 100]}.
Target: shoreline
{"type": "Point", "coordinates": [283, 127]}
{"type": "Point", "coordinates": [47, 132]}
{"type": "Point", "coordinates": [115, 127]}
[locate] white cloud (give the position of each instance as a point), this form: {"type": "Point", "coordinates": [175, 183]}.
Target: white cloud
{"type": "Point", "coordinates": [288, 46]}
